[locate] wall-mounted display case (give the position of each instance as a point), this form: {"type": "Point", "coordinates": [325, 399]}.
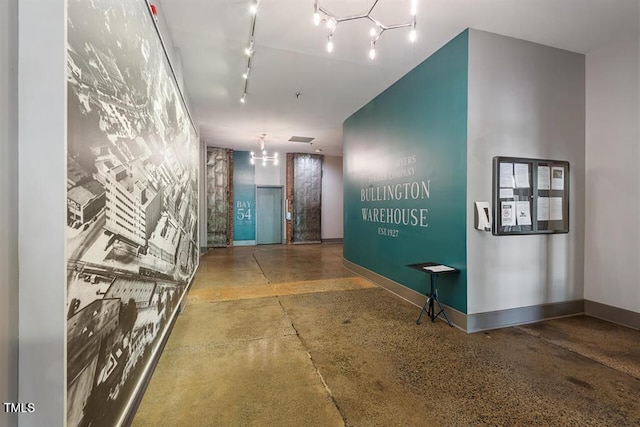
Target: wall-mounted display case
{"type": "Point", "coordinates": [530, 196]}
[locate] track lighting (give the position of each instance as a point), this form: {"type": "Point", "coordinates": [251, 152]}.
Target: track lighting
{"type": "Point", "coordinates": [250, 49]}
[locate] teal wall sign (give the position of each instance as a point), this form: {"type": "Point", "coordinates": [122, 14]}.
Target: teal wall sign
{"type": "Point", "coordinates": [244, 197]}
{"type": "Point", "coordinates": [405, 179]}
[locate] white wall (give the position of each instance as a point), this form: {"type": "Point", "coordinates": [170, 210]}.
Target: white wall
{"type": "Point", "coordinates": [8, 207]}
{"type": "Point", "coordinates": [42, 209]}
{"type": "Point", "coordinates": [272, 174]}
{"type": "Point", "coordinates": [525, 100]}
{"type": "Point", "coordinates": [612, 246]}
{"type": "Point", "coordinates": [332, 200]}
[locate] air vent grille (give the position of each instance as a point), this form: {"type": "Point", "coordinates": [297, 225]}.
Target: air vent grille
{"type": "Point", "coordinates": [305, 139]}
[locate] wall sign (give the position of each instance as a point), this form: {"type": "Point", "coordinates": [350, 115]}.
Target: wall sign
{"type": "Point", "coordinates": [244, 194]}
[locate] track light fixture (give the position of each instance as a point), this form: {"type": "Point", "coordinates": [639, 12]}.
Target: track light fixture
{"type": "Point", "coordinates": [250, 49]}
{"type": "Point", "coordinates": [321, 14]}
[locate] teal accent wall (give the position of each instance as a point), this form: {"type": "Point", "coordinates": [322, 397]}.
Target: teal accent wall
{"type": "Point", "coordinates": [405, 177]}
{"type": "Point", "coordinates": [244, 197]}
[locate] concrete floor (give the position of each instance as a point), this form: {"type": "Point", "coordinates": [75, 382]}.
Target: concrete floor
{"type": "Point", "coordinates": [285, 336]}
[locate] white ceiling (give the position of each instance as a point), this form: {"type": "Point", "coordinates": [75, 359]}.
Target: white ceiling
{"type": "Point", "coordinates": [291, 56]}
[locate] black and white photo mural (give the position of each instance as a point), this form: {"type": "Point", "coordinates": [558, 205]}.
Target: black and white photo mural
{"type": "Point", "coordinates": [132, 224]}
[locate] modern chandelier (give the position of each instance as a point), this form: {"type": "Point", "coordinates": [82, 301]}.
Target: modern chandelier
{"type": "Point", "coordinates": [323, 15]}
{"type": "Point", "coordinates": [264, 156]}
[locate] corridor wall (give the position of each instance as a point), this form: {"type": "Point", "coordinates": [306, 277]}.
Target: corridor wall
{"type": "Point", "coordinates": [525, 100]}
{"type": "Point", "coordinates": [108, 207]}
{"type": "Point", "coordinates": [481, 95]}
{"type": "Point", "coordinates": [9, 206]}
{"type": "Point", "coordinates": [612, 246]}
{"type": "Point", "coordinates": [405, 175]}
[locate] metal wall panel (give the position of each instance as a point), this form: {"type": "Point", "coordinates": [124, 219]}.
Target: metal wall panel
{"type": "Point", "coordinates": [217, 196]}
{"type": "Point", "coordinates": [307, 196]}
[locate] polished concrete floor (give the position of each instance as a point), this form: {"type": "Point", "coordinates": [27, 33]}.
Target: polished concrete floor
{"type": "Point", "coordinates": [285, 336]}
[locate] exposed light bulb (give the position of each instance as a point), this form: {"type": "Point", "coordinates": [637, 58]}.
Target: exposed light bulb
{"type": "Point", "coordinates": [330, 45]}
{"type": "Point", "coordinates": [252, 161]}
{"type": "Point", "coordinates": [252, 154]}
{"type": "Point", "coordinates": [244, 98]}
{"type": "Point", "coordinates": [264, 152]}
{"type": "Point", "coordinates": [372, 51]}
{"type": "Point", "coordinates": [331, 23]}
{"type": "Point", "coordinates": [275, 162]}
{"type": "Point", "coordinates": [414, 7]}
{"type": "Point", "coordinates": [275, 155]}
{"type": "Point", "coordinates": [373, 31]}
{"type": "Point", "coordinates": [249, 49]}
{"type": "Point", "coordinates": [245, 75]}
{"type": "Point", "coordinates": [253, 8]}
{"type": "Point", "coordinates": [316, 19]}
{"type": "Point", "coordinates": [264, 163]}
{"type": "Point", "coordinates": [413, 36]}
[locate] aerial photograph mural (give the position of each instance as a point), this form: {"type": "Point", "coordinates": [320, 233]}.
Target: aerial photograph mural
{"type": "Point", "coordinates": [132, 187]}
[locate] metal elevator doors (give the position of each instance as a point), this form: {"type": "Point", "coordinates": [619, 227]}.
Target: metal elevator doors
{"type": "Point", "coordinates": [269, 215]}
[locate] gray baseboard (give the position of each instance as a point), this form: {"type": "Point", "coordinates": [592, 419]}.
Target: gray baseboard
{"type": "Point", "coordinates": [480, 321]}
{"type": "Point", "coordinates": [612, 314]}
{"type": "Point", "coordinates": [335, 240]}
{"type": "Point", "coordinates": [521, 315]}
{"type": "Point", "coordinates": [458, 318]}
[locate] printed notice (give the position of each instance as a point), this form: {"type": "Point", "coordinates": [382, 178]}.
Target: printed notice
{"type": "Point", "coordinates": [521, 171]}
{"type": "Point", "coordinates": [523, 213]}
{"type": "Point", "coordinates": [508, 214]}
{"type": "Point", "coordinates": [555, 208]}
{"type": "Point", "coordinates": [506, 175]}
{"type": "Point", "coordinates": [439, 268]}
{"type": "Point", "coordinates": [557, 178]}
{"type": "Point", "coordinates": [543, 209]}
{"type": "Point", "coordinates": [506, 193]}
{"type": "Point", "coordinates": [544, 177]}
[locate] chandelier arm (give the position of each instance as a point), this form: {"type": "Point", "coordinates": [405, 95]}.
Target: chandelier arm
{"type": "Point", "coordinates": [351, 18]}
{"type": "Point", "coordinates": [372, 7]}
{"type": "Point", "coordinates": [396, 26]}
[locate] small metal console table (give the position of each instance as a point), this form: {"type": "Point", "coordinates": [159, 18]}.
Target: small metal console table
{"type": "Point", "coordinates": [434, 270]}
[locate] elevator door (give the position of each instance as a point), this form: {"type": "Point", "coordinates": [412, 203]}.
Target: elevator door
{"type": "Point", "coordinates": [269, 215]}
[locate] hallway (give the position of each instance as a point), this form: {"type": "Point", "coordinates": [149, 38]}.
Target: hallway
{"type": "Point", "coordinates": [284, 335]}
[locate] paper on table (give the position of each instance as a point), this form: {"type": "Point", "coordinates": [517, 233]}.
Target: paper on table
{"type": "Point", "coordinates": [523, 214]}
{"type": "Point", "coordinates": [506, 175]}
{"type": "Point", "coordinates": [508, 214]}
{"type": "Point", "coordinates": [506, 193]}
{"type": "Point", "coordinates": [439, 268]}
{"type": "Point", "coordinates": [557, 178]}
{"type": "Point", "coordinates": [521, 171]}
{"type": "Point", "coordinates": [555, 208]}
{"type": "Point", "coordinates": [544, 177]}
{"type": "Point", "coordinates": [543, 209]}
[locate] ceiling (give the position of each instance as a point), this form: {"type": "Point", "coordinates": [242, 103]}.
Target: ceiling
{"type": "Point", "coordinates": [291, 57]}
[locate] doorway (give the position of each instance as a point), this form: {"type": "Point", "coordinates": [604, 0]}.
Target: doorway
{"type": "Point", "coordinates": [269, 215]}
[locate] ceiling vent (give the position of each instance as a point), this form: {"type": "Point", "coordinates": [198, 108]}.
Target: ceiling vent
{"type": "Point", "coordinates": [305, 139]}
